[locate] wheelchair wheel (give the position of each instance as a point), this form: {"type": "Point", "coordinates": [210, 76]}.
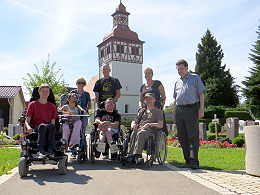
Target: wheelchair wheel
{"type": "Point", "coordinates": [63, 165]}
{"type": "Point", "coordinates": [162, 148]}
{"type": "Point", "coordinates": [82, 157]}
{"type": "Point", "coordinates": [23, 167]}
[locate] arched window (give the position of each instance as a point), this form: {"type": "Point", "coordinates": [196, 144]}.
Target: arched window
{"type": "Point", "coordinates": [126, 108]}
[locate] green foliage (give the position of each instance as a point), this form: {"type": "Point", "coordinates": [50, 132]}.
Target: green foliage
{"type": "Point", "coordinates": [212, 158]}
{"type": "Point", "coordinates": [219, 83]}
{"type": "Point", "coordinates": [17, 137]}
{"type": "Point", "coordinates": [252, 82]}
{"type": "Point", "coordinates": [211, 136]}
{"type": "Point", "coordinates": [6, 130]}
{"type": "Point", "coordinates": [223, 139]}
{"type": "Point", "coordinates": [212, 127]}
{"type": "Point", "coordinates": [47, 75]}
{"type": "Point", "coordinates": [242, 115]}
{"type": "Point", "coordinates": [211, 110]}
{"type": "Point", "coordinates": [9, 158]}
{"type": "Point", "coordinates": [169, 121]}
{"type": "Point", "coordinates": [175, 133]}
{"type": "Point", "coordinates": [126, 122]}
{"type": "Point", "coordinates": [169, 108]}
{"type": "Point", "coordinates": [239, 141]}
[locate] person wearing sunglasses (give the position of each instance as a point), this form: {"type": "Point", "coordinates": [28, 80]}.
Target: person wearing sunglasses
{"type": "Point", "coordinates": [85, 101]}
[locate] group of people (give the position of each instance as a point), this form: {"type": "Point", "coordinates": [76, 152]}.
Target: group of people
{"type": "Point", "coordinates": [188, 93]}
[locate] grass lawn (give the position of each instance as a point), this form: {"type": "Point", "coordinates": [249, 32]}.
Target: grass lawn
{"type": "Point", "coordinates": [212, 158]}
{"type": "Point", "coordinates": [9, 159]}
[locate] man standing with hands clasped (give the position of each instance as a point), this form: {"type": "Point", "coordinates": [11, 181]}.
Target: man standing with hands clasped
{"type": "Point", "coordinates": [188, 91]}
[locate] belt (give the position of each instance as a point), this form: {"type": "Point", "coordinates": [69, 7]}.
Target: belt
{"type": "Point", "coordinates": [186, 105]}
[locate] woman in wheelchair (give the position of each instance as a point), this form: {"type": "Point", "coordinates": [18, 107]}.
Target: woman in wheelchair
{"type": "Point", "coordinates": [143, 127]}
{"type": "Point", "coordinates": [71, 108]}
{"type": "Point", "coordinates": [108, 123]}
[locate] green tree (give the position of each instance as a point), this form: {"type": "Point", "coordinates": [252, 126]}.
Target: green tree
{"type": "Point", "coordinates": [252, 82]}
{"type": "Point", "coordinates": [46, 75]}
{"type": "Point", "coordinates": [169, 108]}
{"type": "Point", "coordinates": [219, 83]}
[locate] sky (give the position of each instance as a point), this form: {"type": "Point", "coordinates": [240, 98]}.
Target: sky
{"type": "Point", "coordinates": [71, 30]}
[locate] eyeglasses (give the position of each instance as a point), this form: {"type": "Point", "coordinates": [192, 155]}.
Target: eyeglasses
{"type": "Point", "coordinates": [83, 83]}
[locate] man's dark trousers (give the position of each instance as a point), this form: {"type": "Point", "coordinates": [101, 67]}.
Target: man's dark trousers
{"type": "Point", "coordinates": [187, 121]}
{"type": "Point", "coordinates": [45, 132]}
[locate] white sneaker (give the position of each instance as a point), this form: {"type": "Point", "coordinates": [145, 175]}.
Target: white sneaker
{"type": "Point", "coordinates": [40, 155]}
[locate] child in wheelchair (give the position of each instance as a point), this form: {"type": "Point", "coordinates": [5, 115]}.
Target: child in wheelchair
{"type": "Point", "coordinates": [72, 108]}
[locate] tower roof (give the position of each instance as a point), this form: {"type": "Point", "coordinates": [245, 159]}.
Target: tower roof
{"type": "Point", "coordinates": [121, 8]}
{"type": "Point", "coordinates": [121, 31]}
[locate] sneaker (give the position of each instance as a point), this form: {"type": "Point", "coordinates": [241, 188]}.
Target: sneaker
{"type": "Point", "coordinates": [51, 156]}
{"type": "Point", "coordinates": [105, 156]}
{"type": "Point", "coordinates": [73, 146]}
{"type": "Point", "coordinates": [40, 155]}
{"type": "Point", "coordinates": [139, 159]}
{"type": "Point", "coordinates": [73, 156]}
{"type": "Point", "coordinates": [193, 166]}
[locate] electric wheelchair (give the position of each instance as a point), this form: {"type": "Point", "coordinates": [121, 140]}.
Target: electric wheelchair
{"type": "Point", "coordinates": [81, 151]}
{"type": "Point", "coordinates": [155, 147]}
{"type": "Point", "coordinates": [29, 145]}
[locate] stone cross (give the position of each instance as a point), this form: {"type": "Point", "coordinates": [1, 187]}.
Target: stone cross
{"type": "Point", "coordinates": [216, 121]}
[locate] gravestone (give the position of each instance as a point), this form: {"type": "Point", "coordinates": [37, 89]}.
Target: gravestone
{"type": "Point", "coordinates": [232, 127]}
{"type": "Point", "coordinates": [203, 131]}
{"type": "Point", "coordinates": [250, 122]}
{"type": "Point", "coordinates": [1, 124]}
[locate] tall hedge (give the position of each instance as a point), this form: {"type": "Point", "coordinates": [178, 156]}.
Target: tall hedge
{"type": "Point", "coordinates": [242, 115]}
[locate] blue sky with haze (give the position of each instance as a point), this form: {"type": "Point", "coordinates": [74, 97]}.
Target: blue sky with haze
{"type": "Point", "coordinates": [71, 30]}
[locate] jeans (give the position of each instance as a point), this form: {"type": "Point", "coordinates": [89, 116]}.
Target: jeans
{"type": "Point", "coordinates": [46, 132]}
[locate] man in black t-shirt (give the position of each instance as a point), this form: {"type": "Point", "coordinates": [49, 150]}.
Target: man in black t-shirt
{"type": "Point", "coordinates": [108, 122]}
{"type": "Point", "coordinates": [106, 87]}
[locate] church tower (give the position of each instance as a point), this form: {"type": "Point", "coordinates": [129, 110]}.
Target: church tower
{"type": "Point", "coordinates": [123, 50]}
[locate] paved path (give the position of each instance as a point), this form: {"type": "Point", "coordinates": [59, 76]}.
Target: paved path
{"type": "Point", "coordinates": [102, 177]}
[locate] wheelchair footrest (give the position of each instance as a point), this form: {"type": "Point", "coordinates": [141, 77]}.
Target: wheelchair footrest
{"type": "Point", "coordinates": [101, 147]}
{"type": "Point", "coordinates": [114, 148]}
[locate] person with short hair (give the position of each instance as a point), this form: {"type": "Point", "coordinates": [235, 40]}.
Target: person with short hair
{"type": "Point", "coordinates": [106, 87]}
{"type": "Point", "coordinates": [146, 124]}
{"type": "Point", "coordinates": [108, 121]}
{"type": "Point", "coordinates": [40, 118]}
{"type": "Point", "coordinates": [188, 91]}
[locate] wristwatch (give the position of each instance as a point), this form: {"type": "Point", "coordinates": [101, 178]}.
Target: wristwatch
{"type": "Point", "coordinates": [150, 124]}
{"type": "Point", "coordinates": [202, 107]}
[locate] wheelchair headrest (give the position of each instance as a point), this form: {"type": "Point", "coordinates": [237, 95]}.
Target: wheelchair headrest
{"type": "Point", "coordinates": [64, 97]}
{"type": "Point", "coordinates": [36, 96]}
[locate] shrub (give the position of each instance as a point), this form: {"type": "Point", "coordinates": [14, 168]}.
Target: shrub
{"type": "Point", "coordinates": [169, 121]}
{"type": "Point", "coordinates": [6, 130]}
{"type": "Point", "coordinates": [212, 127]}
{"type": "Point", "coordinates": [175, 133]}
{"type": "Point", "coordinates": [242, 115]}
{"type": "Point", "coordinates": [223, 139]}
{"type": "Point", "coordinates": [211, 136]}
{"type": "Point", "coordinates": [126, 123]}
{"type": "Point", "coordinates": [239, 141]}
{"type": "Point", "coordinates": [17, 137]}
